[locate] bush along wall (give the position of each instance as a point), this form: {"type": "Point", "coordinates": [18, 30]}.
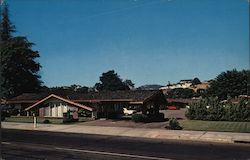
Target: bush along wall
{"type": "Point", "coordinates": [148, 118]}
{"type": "Point", "coordinates": [214, 110]}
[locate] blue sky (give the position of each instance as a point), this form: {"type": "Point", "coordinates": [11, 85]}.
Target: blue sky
{"type": "Point", "coordinates": [147, 41]}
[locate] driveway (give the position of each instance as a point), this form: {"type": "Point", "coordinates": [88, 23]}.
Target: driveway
{"type": "Point", "coordinates": [180, 114]}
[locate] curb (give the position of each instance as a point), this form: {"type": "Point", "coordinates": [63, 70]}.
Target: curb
{"type": "Point", "coordinates": [166, 136]}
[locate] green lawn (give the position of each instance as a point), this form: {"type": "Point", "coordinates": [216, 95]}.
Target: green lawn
{"type": "Point", "coordinates": [220, 126]}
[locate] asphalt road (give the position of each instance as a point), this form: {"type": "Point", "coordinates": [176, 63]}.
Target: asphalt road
{"type": "Point", "coordinates": [17, 144]}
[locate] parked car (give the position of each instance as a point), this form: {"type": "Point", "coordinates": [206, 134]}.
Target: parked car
{"type": "Point", "coordinates": [128, 111]}
{"type": "Point", "coordinates": [172, 107]}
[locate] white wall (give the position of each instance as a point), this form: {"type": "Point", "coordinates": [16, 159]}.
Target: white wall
{"type": "Point", "coordinates": [56, 108]}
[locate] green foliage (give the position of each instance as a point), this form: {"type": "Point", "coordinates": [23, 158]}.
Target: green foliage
{"type": "Point", "coordinates": [46, 121]}
{"type": "Point", "coordinates": [149, 87]}
{"type": "Point", "coordinates": [148, 118]}
{"type": "Point", "coordinates": [181, 93]}
{"type": "Point", "coordinates": [110, 81]}
{"type": "Point", "coordinates": [230, 84]}
{"type": "Point", "coordinates": [65, 89]}
{"type": "Point", "coordinates": [84, 113]}
{"type": "Point", "coordinates": [156, 117]}
{"type": "Point", "coordinates": [200, 93]}
{"type": "Point", "coordinates": [129, 83]}
{"type": "Point", "coordinates": [18, 66]}
{"type": "Point", "coordinates": [4, 114]}
{"type": "Point", "coordinates": [217, 126]}
{"type": "Point", "coordinates": [67, 117]}
{"type": "Point", "coordinates": [139, 118]}
{"type": "Point", "coordinates": [13, 112]}
{"type": "Point", "coordinates": [214, 110]}
{"type": "Point", "coordinates": [6, 27]}
{"type": "Point", "coordinates": [174, 124]}
{"type": "Point", "coordinates": [196, 81]}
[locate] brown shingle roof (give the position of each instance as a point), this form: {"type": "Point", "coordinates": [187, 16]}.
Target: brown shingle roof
{"type": "Point", "coordinates": [135, 95]}
{"type": "Point", "coordinates": [129, 95]}
{"type": "Point", "coordinates": [29, 97]}
{"type": "Point", "coordinates": [180, 100]}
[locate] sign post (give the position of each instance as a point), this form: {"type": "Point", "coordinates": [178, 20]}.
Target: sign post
{"type": "Point", "coordinates": [35, 121]}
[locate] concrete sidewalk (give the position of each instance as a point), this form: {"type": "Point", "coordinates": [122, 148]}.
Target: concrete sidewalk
{"type": "Point", "coordinates": [222, 137]}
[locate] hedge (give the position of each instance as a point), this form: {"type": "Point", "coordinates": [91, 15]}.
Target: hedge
{"type": "Point", "coordinates": [148, 118]}
{"type": "Point", "coordinates": [214, 110]}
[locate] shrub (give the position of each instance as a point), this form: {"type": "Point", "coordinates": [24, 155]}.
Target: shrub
{"type": "Point", "coordinates": [46, 121]}
{"type": "Point", "coordinates": [14, 111]}
{"type": "Point", "coordinates": [174, 124]}
{"type": "Point", "coordinates": [156, 118]}
{"type": "Point", "coordinates": [214, 110]}
{"type": "Point", "coordinates": [148, 118]}
{"type": "Point", "coordinates": [84, 113]}
{"type": "Point", "coordinates": [139, 118]}
{"type": "Point", "coordinates": [161, 117]}
{"type": "Point", "coordinates": [67, 117]}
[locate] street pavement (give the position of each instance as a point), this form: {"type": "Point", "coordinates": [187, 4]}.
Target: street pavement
{"type": "Point", "coordinates": [221, 137]}
{"type": "Point", "coordinates": [32, 144]}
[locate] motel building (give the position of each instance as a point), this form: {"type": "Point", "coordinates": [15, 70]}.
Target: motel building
{"type": "Point", "coordinates": [106, 104]}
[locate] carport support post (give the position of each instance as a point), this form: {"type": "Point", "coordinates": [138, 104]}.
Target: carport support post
{"type": "Point", "coordinates": [93, 114]}
{"type": "Point", "coordinates": [35, 120]}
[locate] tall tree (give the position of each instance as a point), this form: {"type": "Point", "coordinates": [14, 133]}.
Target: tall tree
{"type": "Point", "coordinates": [196, 81]}
{"type": "Point", "coordinates": [129, 83]}
{"type": "Point", "coordinates": [6, 30]}
{"type": "Point", "coordinates": [6, 27]}
{"type": "Point", "coordinates": [230, 84]}
{"type": "Point", "coordinates": [19, 68]}
{"type": "Point", "coordinates": [181, 93]}
{"type": "Point", "coordinates": [111, 81]}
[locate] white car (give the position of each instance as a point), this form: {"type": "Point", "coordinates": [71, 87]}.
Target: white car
{"type": "Point", "coordinates": [128, 111]}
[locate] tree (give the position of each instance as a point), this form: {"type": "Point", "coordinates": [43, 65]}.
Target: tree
{"type": "Point", "coordinates": [6, 27]}
{"type": "Point", "coordinates": [229, 84]}
{"type": "Point", "coordinates": [19, 68]}
{"type": "Point", "coordinates": [110, 81]}
{"type": "Point", "coordinates": [129, 83]}
{"type": "Point", "coordinates": [64, 90]}
{"type": "Point", "coordinates": [196, 81]}
{"type": "Point", "coordinates": [181, 93]}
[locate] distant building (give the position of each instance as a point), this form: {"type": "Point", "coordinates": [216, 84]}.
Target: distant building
{"type": "Point", "coordinates": [182, 84]}
{"type": "Point", "coordinates": [186, 84]}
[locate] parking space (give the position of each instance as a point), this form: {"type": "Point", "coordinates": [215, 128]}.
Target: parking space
{"type": "Point", "coordinates": [179, 114]}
